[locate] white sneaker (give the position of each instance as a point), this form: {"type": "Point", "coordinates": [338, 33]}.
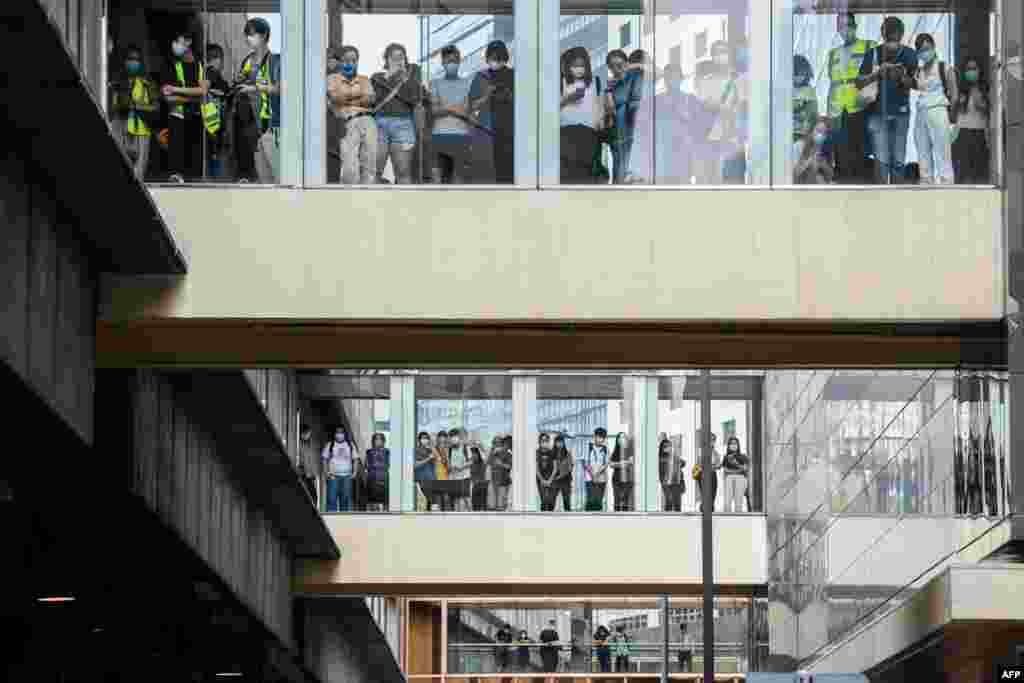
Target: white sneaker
{"type": "Point", "coordinates": [176, 178]}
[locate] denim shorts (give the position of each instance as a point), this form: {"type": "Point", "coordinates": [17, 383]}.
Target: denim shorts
{"type": "Point", "coordinates": [396, 130]}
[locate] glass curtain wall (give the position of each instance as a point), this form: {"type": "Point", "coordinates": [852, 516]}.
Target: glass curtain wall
{"type": "Point", "coordinates": [194, 89]}
{"type": "Point", "coordinates": [566, 638]}
{"type": "Point", "coordinates": [875, 480]}
{"type": "Point", "coordinates": [414, 93]}
{"type": "Point", "coordinates": [878, 93]}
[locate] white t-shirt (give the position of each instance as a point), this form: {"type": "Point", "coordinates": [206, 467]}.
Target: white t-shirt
{"type": "Point", "coordinates": [583, 112]}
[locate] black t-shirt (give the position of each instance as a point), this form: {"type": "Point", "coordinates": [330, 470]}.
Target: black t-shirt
{"type": "Point", "coordinates": [499, 112]}
{"type": "Point", "coordinates": [190, 70]}
{"type": "Point", "coordinates": [549, 635]}
{"type": "Point", "coordinates": [545, 464]}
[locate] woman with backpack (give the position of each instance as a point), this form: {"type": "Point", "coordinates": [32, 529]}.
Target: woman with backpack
{"type": "Point", "coordinates": [934, 129]}
{"type": "Point", "coordinates": [339, 458]}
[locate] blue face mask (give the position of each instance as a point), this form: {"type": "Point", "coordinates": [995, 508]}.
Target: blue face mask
{"type": "Point", "coordinates": [451, 70]}
{"type": "Point", "coordinates": [133, 67]}
{"type": "Point", "coordinates": [820, 139]}
{"type": "Point", "coordinates": [742, 58]}
{"type": "Point", "coordinates": [926, 55]}
{"type": "Point", "coordinates": [349, 70]}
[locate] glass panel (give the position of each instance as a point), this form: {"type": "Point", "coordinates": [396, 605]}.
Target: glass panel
{"type": "Point", "coordinates": [538, 635]}
{"type": "Point", "coordinates": [219, 119]}
{"type": "Point", "coordinates": [678, 442]}
{"type": "Point", "coordinates": [869, 97]}
{"type": "Point", "coordinates": [732, 636]}
{"type": "Point", "coordinates": [664, 93]}
{"type": "Point", "coordinates": [464, 457]}
{"type": "Point", "coordinates": [591, 422]}
{"type": "Point", "coordinates": [418, 92]}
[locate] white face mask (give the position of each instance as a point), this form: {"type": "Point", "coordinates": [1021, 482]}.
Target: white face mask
{"type": "Point", "coordinates": [339, 438]}
{"type": "Point", "coordinates": [254, 40]}
{"type": "Point", "coordinates": [179, 49]}
{"type": "Point", "coordinates": [579, 72]}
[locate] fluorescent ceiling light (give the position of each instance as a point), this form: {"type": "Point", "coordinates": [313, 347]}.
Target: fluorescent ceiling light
{"type": "Point", "coordinates": [57, 598]}
{"type": "Point", "coordinates": [229, 674]}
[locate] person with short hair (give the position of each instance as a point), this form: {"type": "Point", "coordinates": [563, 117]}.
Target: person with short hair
{"type": "Point", "coordinates": [596, 471]}
{"type": "Point", "coordinates": [258, 107]}
{"type": "Point", "coordinates": [452, 142]}
{"type": "Point", "coordinates": [845, 108]}
{"type": "Point", "coordinates": [378, 463]}
{"type": "Point", "coordinates": [491, 100]}
{"type": "Point", "coordinates": [216, 145]}
{"type": "Point", "coordinates": [503, 639]}
{"type": "Point", "coordinates": [351, 97]}
{"type": "Point", "coordinates": [549, 648]}
{"type": "Point", "coordinates": [622, 464]}
{"type": "Point", "coordinates": [339, 458]}
{"type": "Point", "coordinates": [184, 87]}
{"type": "Point", "coordinates": [500, 462]}
{"type": "Point", "coordinates": [459, 465]}
{"type": "Point", "coordinates": [134, 110]}
{"type": "Point", "coordinates": [620, 649]}
{"type": "Point", "coordinates": [893, 67]}
{"type": "Point", "coordinates": [545, 472]}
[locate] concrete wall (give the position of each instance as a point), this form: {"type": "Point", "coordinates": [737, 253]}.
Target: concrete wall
{"type": "Point", "coordinates": [403, 554]}
{"type": "Point", "coordinates": [479, 254]}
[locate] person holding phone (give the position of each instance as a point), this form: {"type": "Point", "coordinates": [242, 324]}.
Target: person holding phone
{"type": "Point", "coordinates": [397, 93]}
{"type": "Point", "coordinates": [893, 66]}
{"type": "Point", "coordinates": [491, 99]}
{"type": "Point", "coordinates": [581, 116]}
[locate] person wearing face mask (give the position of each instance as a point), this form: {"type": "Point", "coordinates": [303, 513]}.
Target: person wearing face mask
{"type": "Point", "coordinates": [562, 483]}
{"type": "Point", "coordinates": [378, 461]}
{"type": "Point", "coordinates": [735, 467]}
{"type": "Point", "coordinates": [814, 165]}
{"type": "Point", "coordinates": [491, 100]}
{"type": "Point", "coordinates": [545, 472]}
{"type": "Point", "coordinates": [582, 117]}
{"type": "Point", "coordinates": [133, 108]}
{"type": "Point", "coordinates": [258, 111]}
{"type": "Point", "coordinates": [423, 470]}
{"type": "Point", "coordinates": [334, 130]}
{"type": "Point", "coordinates": [399, 94]}
{"type": "Point", "coordinates": [215, 130]}
{"type": "Point", "coordinates": [351, 98]}
{"type": "Point", "coordinates": [734, 165]}
{"type": "Point", "coordinates": [716, 89]}
{"type": "Point", "coordinates": [934, 126]}
{"type": "Point", "coordinates": [971, 151]}
{"type": "Point", "coordinates": [671, 468]}
{"type": "Point", "coordinates": [698, 473]}
{"type": "Point", "coordinates": [621, 463]}
{"type": "Point", "coordinates": [892, 66]}
{"type": "Point", "coordinates": [621, 98]}
{"type": "Point", "coordinates": [805, 100]}
{"type": "Point", "coordinates": [500, 462]}
{"type": "Point", "coordinates": [595, 470]}
{"type": "Point", "coordinates": [460, 463]}
{"type": "Point", "coordinates": [339, 458]}
{"type": "Point", "coordinates": [849, 120]}
{"type": "Point", "coordinates": [449, 95]}
{"type": "Point", "coordinates": [184, 87]}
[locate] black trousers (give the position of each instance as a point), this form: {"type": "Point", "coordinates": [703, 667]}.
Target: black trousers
{"type": "Point", "coordinates": [504, 158]}
{"type": "Point", "coordinates": [714, 490]}
{"type": "Point", "coordinates": [623, 497]}
{"type": "Point", "coordinates": [621, 664]}
{"type": "Point", "coordinates": [185, 147]}
{"type": "Point", "coordinates": [672, 495]}
{"type": "Point", "coordinates": [247, 138]}
{"type": "Point", "coordinates": [562, 486]}
{"type": "Point", "coordinates": [478, 497]}
{"type": "Point", "coordinates": [971, 158]}
{"type": "Point", "coordinates": [851, 150]}
{"type": "Point", "coordinates": [595, 496]}
{"type": "Point", "coordinates": [577, 154]}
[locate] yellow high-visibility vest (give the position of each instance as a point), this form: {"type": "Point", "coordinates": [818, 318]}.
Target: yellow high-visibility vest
{"type": "Point", "coordinates": [179, 69]}
{"type": "Point", "coordinates": [844, 89]}
{"type": "Point", "coordinates": [263, 75]}
{"type": "Point", "coordinates": [139, 94]}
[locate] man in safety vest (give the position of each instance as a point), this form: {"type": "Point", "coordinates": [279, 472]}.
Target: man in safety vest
{"type": "Point", "coordinates": [849, 120]}
{"type": "Point", "coordinates": [133, 107]}
{"type": "Point", "coordinates": [184, 87]}
{"type": "Point", "coordinates": [258, 109]}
